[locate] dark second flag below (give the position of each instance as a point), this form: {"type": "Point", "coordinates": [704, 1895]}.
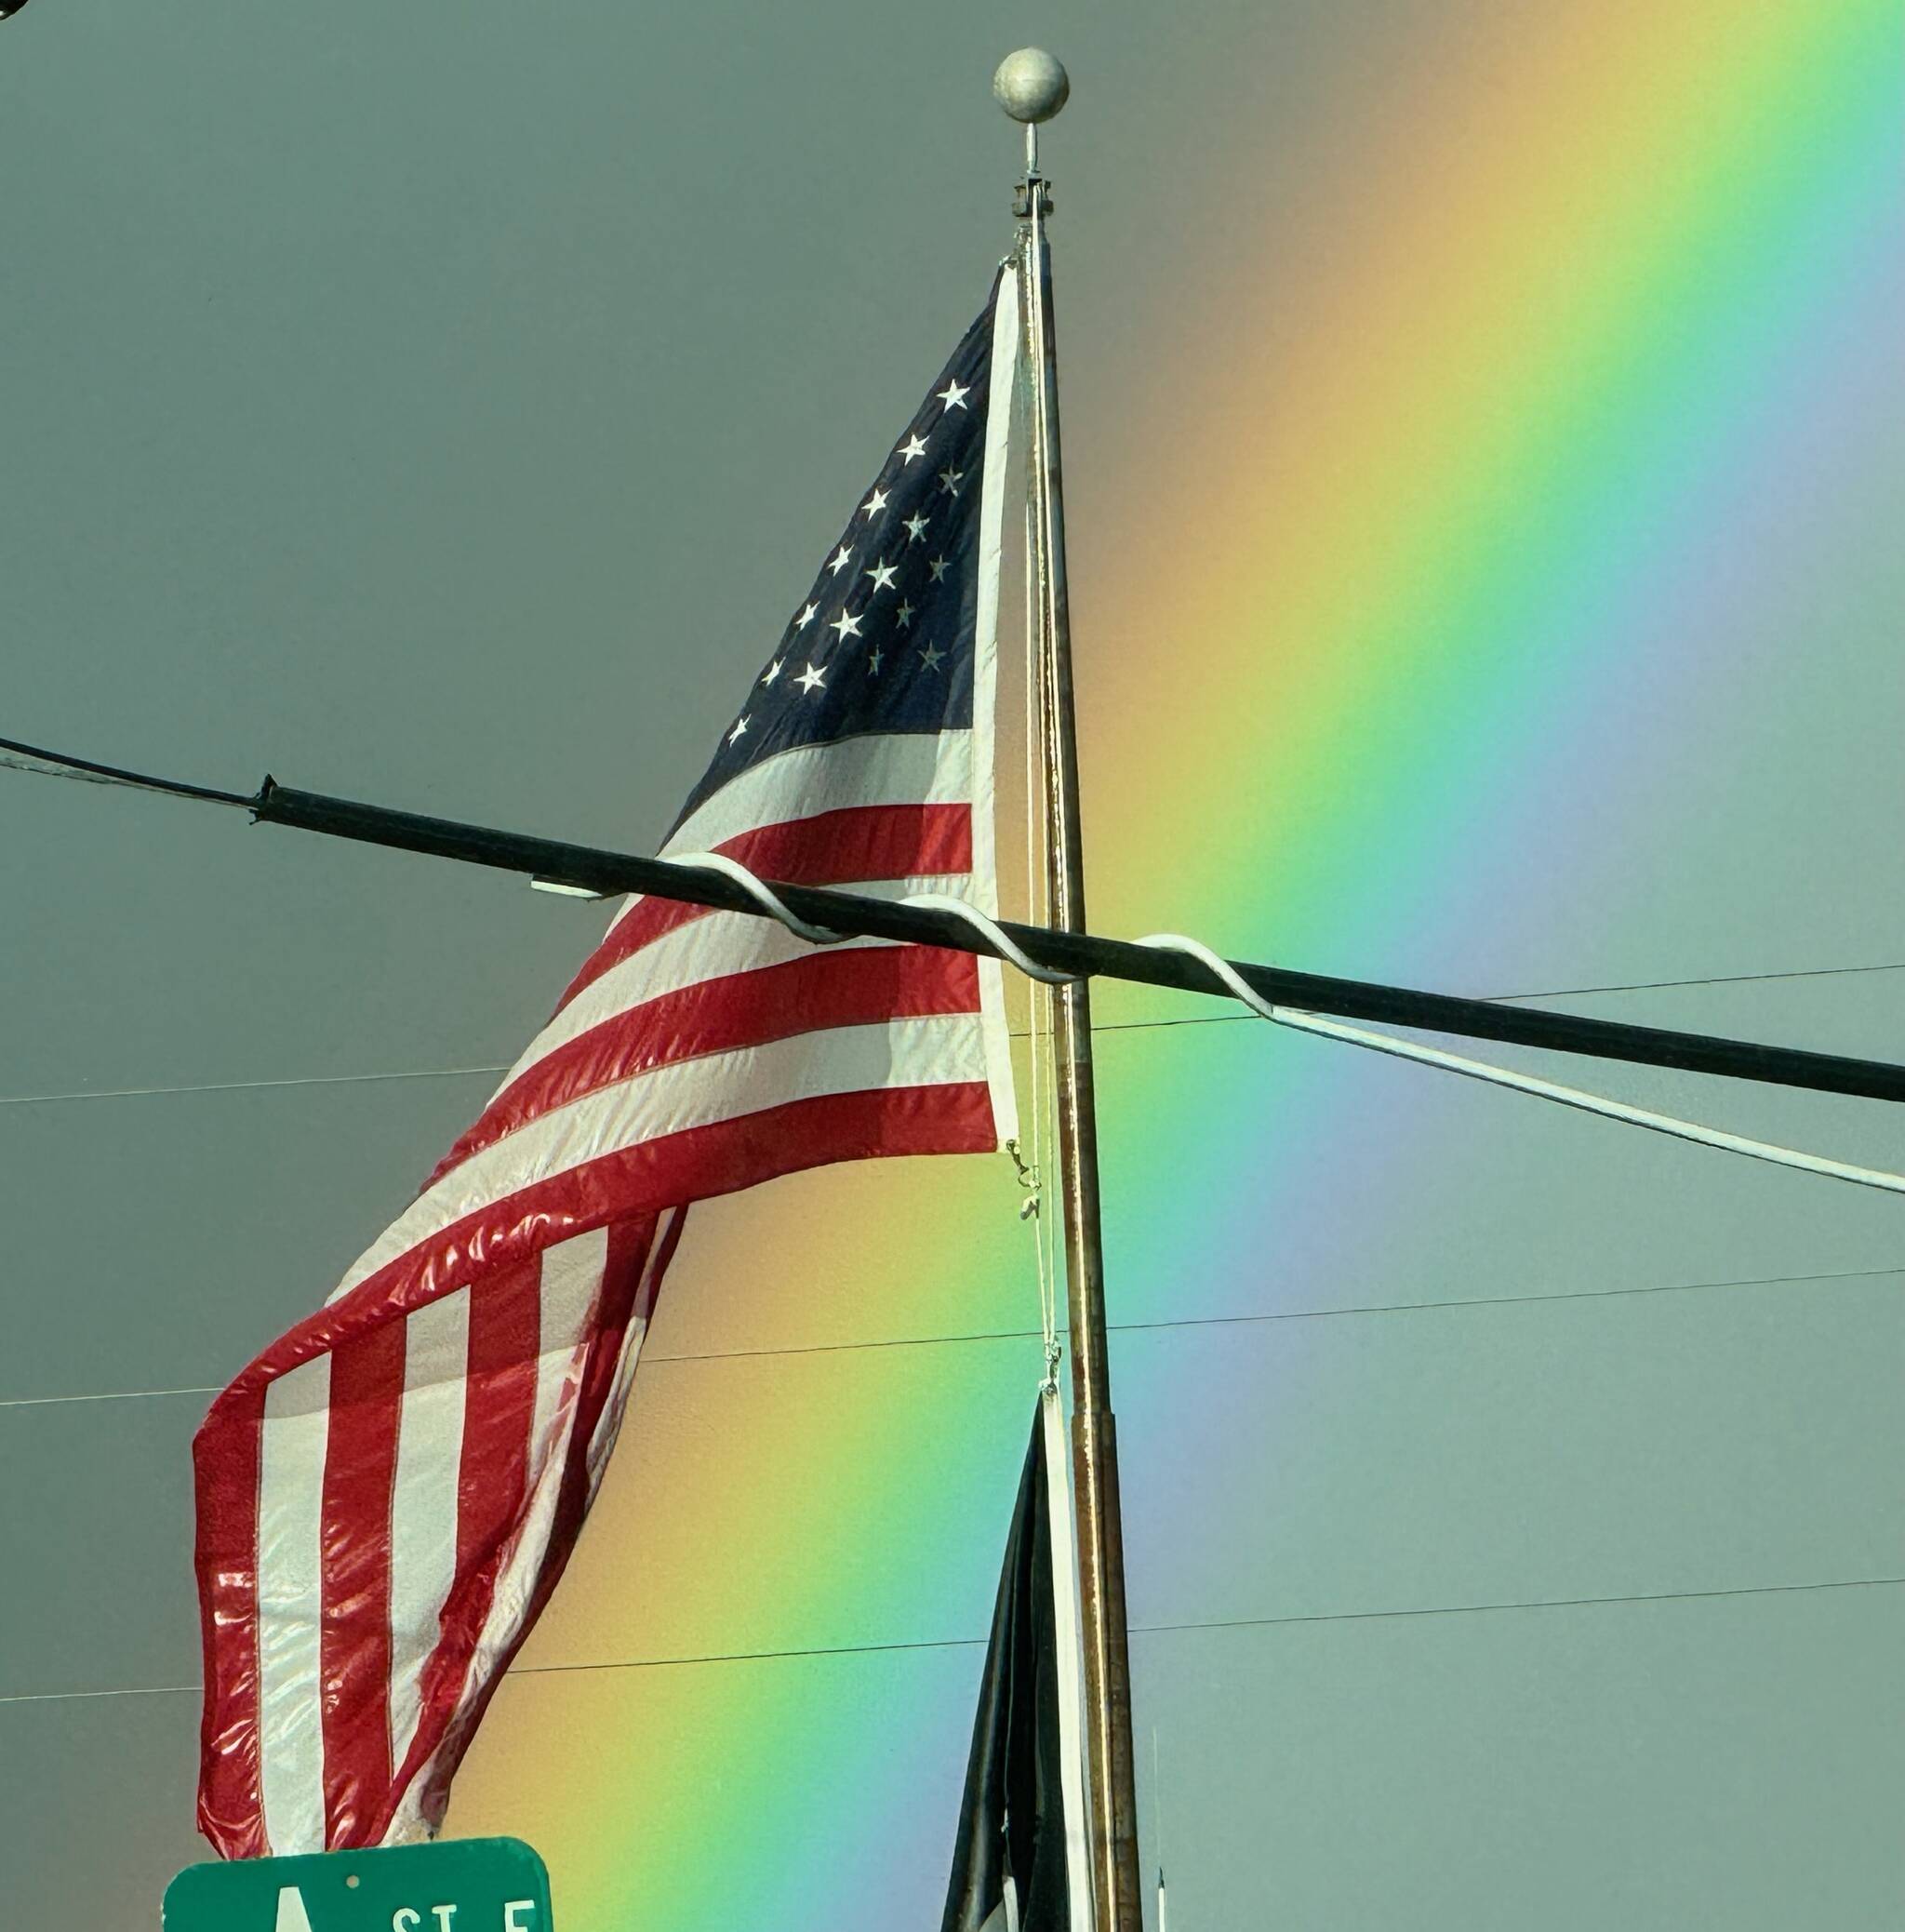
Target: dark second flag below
{"type": "Point", "coordinates": [1020, 1860]}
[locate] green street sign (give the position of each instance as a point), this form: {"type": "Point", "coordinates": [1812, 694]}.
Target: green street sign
{"type": "Point", "coordinates": [454, 1885]}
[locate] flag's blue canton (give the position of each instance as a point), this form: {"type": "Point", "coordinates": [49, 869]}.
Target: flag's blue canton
{"type": "Point", "coordinates": [883, 641]}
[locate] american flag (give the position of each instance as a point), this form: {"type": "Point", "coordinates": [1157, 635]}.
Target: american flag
{"type": "Point", "coordinates": [388, 1494]}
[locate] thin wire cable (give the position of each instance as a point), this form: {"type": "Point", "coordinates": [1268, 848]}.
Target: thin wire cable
{"type": "Point", "coordinates": [1539, 1603]}
{"type": "Point", "coordinates": [1166, 1323]}
{"type": "Point", "coordinates": [16, 756]}
{"type": "Point", "coordinates": [232, 1086]}
{"type": "Point", "coordinates": [1138, 1630]}
{"type": "Point", "coordinates": [1100, 1026]}
{"type": "Point", "coordinates": [100, 1395]}
{"type": "Point", "coordinates": [1570, 992]}
{"type": "Point", "coordinates": [1560, 993]}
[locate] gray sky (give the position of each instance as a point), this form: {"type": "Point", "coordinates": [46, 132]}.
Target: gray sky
{"type": "Point", "coordinates": [383, 390]}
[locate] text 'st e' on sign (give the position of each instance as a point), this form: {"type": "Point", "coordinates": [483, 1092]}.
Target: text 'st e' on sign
{"type": "Point", "coordinates": [455, 1884]}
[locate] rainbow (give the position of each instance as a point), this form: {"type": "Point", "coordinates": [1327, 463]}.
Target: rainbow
{"type": "Point", "coordinates": [1398, 544]}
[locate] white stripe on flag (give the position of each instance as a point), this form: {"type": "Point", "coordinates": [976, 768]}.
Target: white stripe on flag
{"type": "Point", "coordinates": [708, 948]}
{"type": "Point", "coordinates": [291, 1543]}
{"type": "Point", "coordinates": [933, 1050]}
{"type": "Point", "coordinates": [423, 1497]}
{"type": "Point", "coordinates": [1002, 390]}
{"type": "Point", "coordinates": [571, 1280]}
{"type": "Point", "coordinates": [883, 767]}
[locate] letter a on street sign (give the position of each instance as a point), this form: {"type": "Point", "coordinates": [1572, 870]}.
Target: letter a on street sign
{"type": "Point", "coordinates": [454, 1885]}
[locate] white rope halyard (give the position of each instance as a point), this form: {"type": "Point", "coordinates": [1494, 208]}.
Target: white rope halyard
{"type": "Point", "coordinates": [1522, 1083]}
{"type": "Point", "coordinates": [1220, 969]}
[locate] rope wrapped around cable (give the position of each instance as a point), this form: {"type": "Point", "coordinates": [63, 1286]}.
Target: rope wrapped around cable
{"type": "Point", "coordinates": [1525, 1083]}
{"type": "Point", "coordinates": [998, 941]}
{"type": "Point", "coordinates": [1292, 998]}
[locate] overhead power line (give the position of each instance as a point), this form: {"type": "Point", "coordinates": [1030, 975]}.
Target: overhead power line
{"type": "Point", "coordinates": [240, 1086]}
{"type": "Point", "coordinates": [1099, 1027]}
{"type": "Point", "coordinates": [1138, 1630]}
{"type": "Point", "coordinates": [1172, 1323]}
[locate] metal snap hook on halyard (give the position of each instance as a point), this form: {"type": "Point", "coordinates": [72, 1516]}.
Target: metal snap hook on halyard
{"type": "Point", "coordinates": [1029, 1179]}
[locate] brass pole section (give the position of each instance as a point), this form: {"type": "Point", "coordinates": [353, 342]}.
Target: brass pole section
{"type": "Point", "coordinates": [1093, 1430]}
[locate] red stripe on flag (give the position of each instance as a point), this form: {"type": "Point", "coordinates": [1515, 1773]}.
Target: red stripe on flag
{"type": "Point", "coordinates": [225, 1455]}
{"type": "Point", "coordinates": [809, 994]}
{"type": "Point", "coordinates": [367, 1388]}
{"type": "Point", "coordinates": [498, 1409]}
{"type": "Point", "coordinates": [499, 1405]}
{"type": "Point", "coordinates": [860, 842]}
{"type": "Point", "coordinates": [730, 1154]}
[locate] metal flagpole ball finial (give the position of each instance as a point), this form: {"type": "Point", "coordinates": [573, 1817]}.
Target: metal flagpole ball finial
{"type": "Point", "coordinates": [1031, 85]}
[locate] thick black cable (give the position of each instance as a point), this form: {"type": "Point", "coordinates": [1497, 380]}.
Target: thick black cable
{"type": "Point", "coordinates": [596, 869]}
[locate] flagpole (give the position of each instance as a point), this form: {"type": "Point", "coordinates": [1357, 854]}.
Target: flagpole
{"type": "Point", "coordinates": [1031, 87]}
